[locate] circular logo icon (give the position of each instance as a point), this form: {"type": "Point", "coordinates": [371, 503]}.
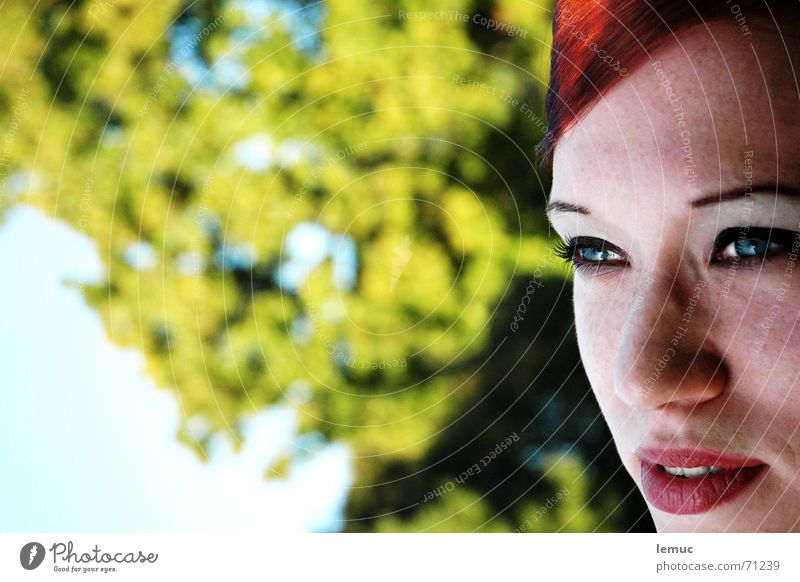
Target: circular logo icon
{"type": "Point", "coordinates": [31, 555]}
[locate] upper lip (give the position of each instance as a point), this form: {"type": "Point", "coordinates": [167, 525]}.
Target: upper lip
{"type": "Point", "coordinates": [694, 457]}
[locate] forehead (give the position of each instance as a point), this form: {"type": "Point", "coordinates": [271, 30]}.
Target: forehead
{"type": "Point", "coordinates": [683, 123]}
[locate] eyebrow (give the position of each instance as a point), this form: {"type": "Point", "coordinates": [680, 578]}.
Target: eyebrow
{"type": "Point", "coordinates": [739, 192]}
{"type": "Point", "coordinates": [557, 206]}
{"type": "Point", "coordinates": [732, 194]}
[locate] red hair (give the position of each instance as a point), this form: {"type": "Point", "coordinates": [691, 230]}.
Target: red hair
{"type": "Point", "coordinates": [598, 42]}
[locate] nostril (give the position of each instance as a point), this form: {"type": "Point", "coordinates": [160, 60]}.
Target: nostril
{"type": "Point", "coordinates": [707, 377]}
{"type": "Point", "coordinates": [675, 376]}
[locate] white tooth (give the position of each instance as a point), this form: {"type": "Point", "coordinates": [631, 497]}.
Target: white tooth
{"type": "Point", "coordinates": [695, 472]}
{"type": "Point", "coordinates": [692, 471]}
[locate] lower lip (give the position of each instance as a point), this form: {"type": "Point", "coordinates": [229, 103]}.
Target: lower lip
{"type": "Point", "coordinates": [688, 496]}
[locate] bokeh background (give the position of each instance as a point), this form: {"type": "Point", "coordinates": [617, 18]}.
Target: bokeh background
{"type": "Point", "coordinates": [284, 264]}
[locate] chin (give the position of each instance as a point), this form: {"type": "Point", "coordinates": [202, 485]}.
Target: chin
{"type": "Point", "coordinates": [666, 523]}
{"type": "Point", "coordinates": [757, 513]}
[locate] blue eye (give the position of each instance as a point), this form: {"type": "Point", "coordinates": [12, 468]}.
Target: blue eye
{"type": "Point", "coordinates": [590, 253]}
{"type": "Point", "coordinates": [752, 247]}
{"type": "Point", "coordinates": [734, 244]}
{"type": "Point", "coordinates": [596, 255]}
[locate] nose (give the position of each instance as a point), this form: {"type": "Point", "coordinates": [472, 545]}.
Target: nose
{"type": "Point", "coordinates": [666, 356]}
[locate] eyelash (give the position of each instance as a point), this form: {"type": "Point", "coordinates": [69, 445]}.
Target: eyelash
{"type": "Point", "coordinates": [569, 249]}
{"type": "Point", "coordinates": [771, 235]}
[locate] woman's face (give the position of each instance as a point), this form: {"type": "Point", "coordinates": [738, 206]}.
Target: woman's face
{"type": "Point", "coordinates": [680, 192]}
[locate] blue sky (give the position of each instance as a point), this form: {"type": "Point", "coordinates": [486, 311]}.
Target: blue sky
{"type": "Point", "coordinates": [87, 442]}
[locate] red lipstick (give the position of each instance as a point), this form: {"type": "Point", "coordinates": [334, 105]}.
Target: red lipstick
{"type": "Point", "coordinates": [723, 478]}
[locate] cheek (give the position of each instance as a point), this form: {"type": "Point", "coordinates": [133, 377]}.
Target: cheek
{"type": "Point", "coordinates": [760, 333]}
{"type": "Point", "coordinates": [598, 327]}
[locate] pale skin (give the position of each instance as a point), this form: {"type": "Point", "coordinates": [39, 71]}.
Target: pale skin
{"type": "Point", "coordinates": [657, 218]}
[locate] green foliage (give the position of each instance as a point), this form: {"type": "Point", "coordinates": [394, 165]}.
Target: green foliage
{"type": "Point", "coordinates": [461, 510]}
{"type": "Point", "coordinates": [412, 136]}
